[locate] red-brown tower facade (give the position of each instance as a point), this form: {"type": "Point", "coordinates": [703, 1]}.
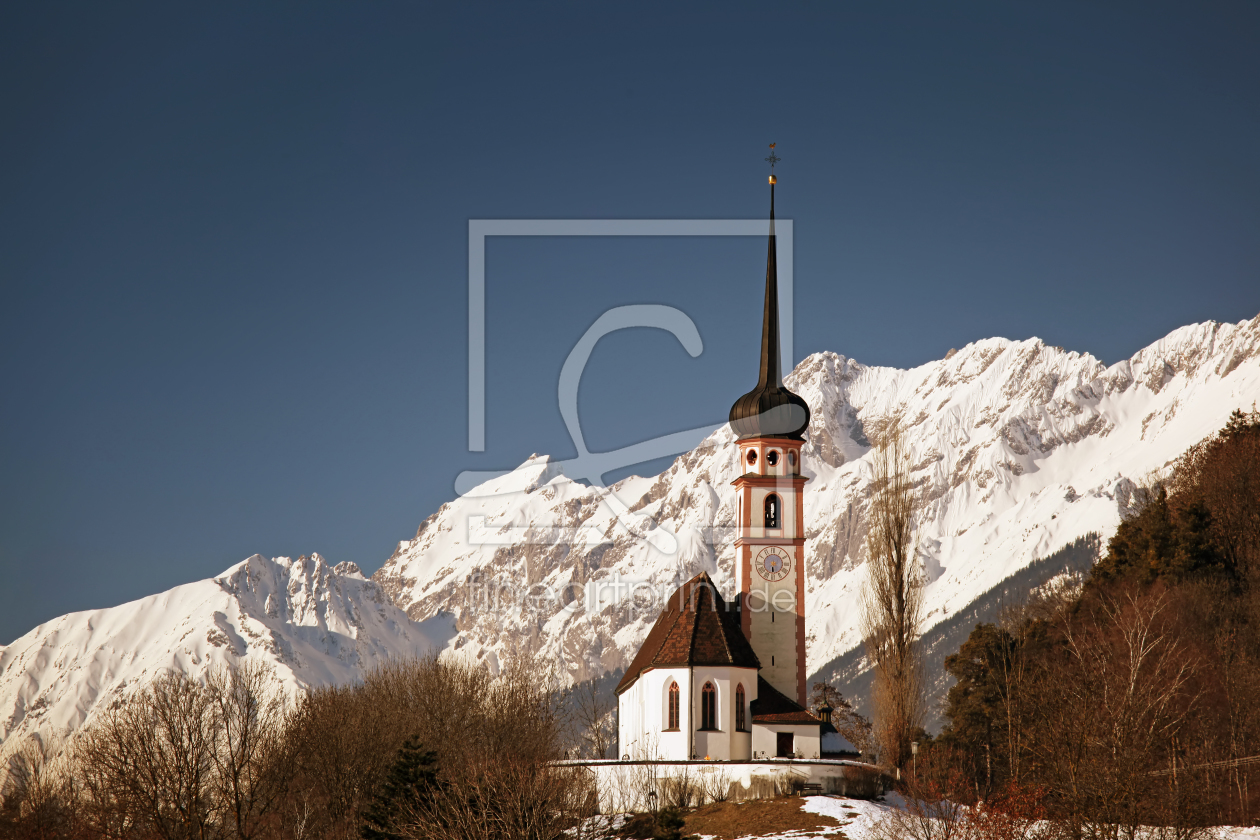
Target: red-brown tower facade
{"type": "Point", "coordinates": [769, 423]}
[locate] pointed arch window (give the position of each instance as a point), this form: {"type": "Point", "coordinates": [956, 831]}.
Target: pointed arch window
{"type": "Point", "coordinates": [773, 515]}
{"type": "Point", "coordinates": [740, 723]}
{"type": "Point", "coordinates": [708, 707]}
{"type": "Point", "coordinates": [673, 705]}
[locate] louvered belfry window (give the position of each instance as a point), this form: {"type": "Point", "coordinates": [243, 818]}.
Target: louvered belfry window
{"type": "Point", "coordinates": [708, 707]}
{"type": "Point", "coordinates": [673, 705]}
{"type": "Point", "coordinates": [772, 511]}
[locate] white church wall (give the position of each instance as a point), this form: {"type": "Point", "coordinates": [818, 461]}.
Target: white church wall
{"type": "Point", "coordinates": [630, 721]}
{"type": "Point", "coordinates": [741, 741]}
{"type": "Point", "coordinates": [643, 731]}
{"type": "Point", "coordinates": [674, 742]}
{"type": "Point", "coordinates": [644, 710]}
{"type": "Point", "coordinates": [724, 743]}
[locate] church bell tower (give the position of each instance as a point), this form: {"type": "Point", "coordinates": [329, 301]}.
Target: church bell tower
{"type": "Point", "coordinates": [768, 423]}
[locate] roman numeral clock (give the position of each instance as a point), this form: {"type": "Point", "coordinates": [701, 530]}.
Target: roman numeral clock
{"type": "Point", "coordinates": [773, 564]}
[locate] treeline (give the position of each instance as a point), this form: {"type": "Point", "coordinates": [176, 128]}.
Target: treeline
{"type": "Point", "coordinates": [419, 749]}
{"type": "Point", "coordinates": [1132, 699]}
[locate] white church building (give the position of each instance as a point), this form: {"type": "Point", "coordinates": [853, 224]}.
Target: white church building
{"type": "Point", "coordinates": [726, 680]}
{"type": "Point", "coordinates": [694, 690]}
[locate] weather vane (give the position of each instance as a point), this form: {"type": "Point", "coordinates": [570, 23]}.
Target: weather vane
{"type": "Point", "coordinates": [773, 159]}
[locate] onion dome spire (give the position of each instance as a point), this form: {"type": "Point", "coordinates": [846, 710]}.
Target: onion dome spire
{"type": "Point", "coordinates": [770, 410]}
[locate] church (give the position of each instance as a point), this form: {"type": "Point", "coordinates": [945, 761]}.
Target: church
{"type": "Point", "coordinates": [726, 680]}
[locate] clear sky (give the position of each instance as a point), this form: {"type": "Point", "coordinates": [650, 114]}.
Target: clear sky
{"type": "Point", "coordinates": [234, 251]}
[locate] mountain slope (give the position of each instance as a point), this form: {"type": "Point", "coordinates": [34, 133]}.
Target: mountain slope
{"type": "Point", "coordinates": [316, 624]}
{"type": "Point", "coordinates": [1020, 449]}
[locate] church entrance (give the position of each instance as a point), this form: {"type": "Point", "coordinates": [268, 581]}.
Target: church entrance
{"type": "Point", "coordinates": [785, 745]}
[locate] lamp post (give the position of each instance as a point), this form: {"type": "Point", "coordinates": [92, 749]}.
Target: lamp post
{"type": "Point", "coordinates": [914, 758]}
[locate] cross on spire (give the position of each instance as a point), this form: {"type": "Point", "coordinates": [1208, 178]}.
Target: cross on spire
{"type": "Point", "coordinates": [773, 159]}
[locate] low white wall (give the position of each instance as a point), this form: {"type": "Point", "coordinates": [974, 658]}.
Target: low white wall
{"type": "Point", "coordinates": [626, 786]}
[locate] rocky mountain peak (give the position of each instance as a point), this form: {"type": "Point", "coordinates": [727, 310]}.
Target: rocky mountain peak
{"type": "Point", "coordinates": [1021, 448]}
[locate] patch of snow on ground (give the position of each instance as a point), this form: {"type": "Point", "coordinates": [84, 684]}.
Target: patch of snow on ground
{"type": "Point", "coordinates": [869, 812]}
{"type": "Point", "coordinates": [856, 817]}
{"type": "Point", "coordinates": [1233, 832]}
{"type": "Point", "coordinates": [842, 810]}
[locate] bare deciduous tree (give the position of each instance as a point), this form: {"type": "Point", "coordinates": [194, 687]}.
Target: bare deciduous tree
{"type": "Point", "coordinates": [892, 602]}
{"type": "Point", "coordinates": [37, 793]}
{"type": "Point", "coordinates": [1122, 694]}
{"type": "Point", "coordinates": [716, 781]}
{"type": "Point", "coordinates": [594, 715]}
{"type": "Point", "coordinates": [855, 728]}
{"type": "Point", "coordinates": [504, 800]}
{"type": "Point", "coordinates": [180, 759]}
{"type": "Point", "coordinates": [489, 733]}
{"type": "Point", "coordinates": [251, 775]}
{"type": "Point", "coordinates": [149, 763]}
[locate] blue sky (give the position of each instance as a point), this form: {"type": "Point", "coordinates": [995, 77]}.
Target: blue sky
{"type": "Point", "coordinates": [233, 239]}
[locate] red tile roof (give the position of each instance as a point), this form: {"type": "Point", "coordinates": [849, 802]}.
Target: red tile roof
{"type": "Point", "coordinates": [697, 627]}
{"type": "Point", "coordinates": [773, 706]}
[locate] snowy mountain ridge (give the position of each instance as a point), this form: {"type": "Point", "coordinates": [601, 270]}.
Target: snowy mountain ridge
{"type": "Point", "coordinates": [1020, 448]}
{"type": "Point", "coordinates": [316, 624]}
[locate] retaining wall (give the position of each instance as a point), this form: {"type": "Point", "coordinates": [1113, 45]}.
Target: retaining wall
{"type": "Point", "coordinates": [627, 786]}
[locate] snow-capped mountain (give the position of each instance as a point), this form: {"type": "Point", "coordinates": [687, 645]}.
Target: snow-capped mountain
{"type": "Point", "coordinates": [1020, 449]}
{"type": "Point", "coordinates": [316, 624]}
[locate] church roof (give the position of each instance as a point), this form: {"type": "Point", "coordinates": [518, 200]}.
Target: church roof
{"type": "Point", "coordinates": [773, 706]}
{"type": "Point", "coordinates": [770, 410]}
{"type": "Point", "coordinates": [697, 627]}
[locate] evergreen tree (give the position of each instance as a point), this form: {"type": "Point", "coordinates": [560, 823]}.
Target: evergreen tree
{"type": "Point", "coordinates": [669, 826]}
{"type": "Point", "coordinates": [413, 774]}
{"type": "Point", "coordinates": [1165, 541]}
{"type": "Point", "coordinates": [1241, 423]}
{"type": "Point", "coordinates": [975, 705]}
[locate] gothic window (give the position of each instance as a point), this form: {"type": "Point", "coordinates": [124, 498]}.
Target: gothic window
{"type": "Point", "coordinates": [673, 706]}
{"type": "Point", "coordinates": [708, 707]}
{"type": "Point", "coordinates": [772, 511]}
{"type": "Point", "coordinates": [739, 708]}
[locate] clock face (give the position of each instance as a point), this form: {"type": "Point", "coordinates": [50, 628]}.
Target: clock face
{"type": "Point", "coordinates": [773, 563]}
